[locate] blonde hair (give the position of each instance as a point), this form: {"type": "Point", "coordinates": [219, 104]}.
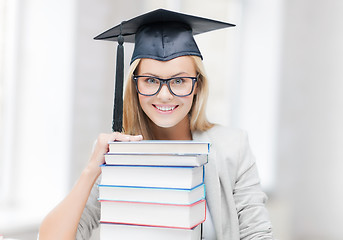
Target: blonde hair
{"type": "Point", "coordinates": [135, 121]}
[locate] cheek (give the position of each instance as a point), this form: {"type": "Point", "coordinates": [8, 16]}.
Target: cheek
{"type": "Point", "coordinates": [188, 102]}
{"type": "Point", "coordinates": [143, 101]}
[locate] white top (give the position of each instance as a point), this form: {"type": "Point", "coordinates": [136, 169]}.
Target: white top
{"type": "Point", "coordinates": [208, 232]}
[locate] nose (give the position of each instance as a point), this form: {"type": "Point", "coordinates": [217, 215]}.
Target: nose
{"type": "Point", "coordinates": [164, 93]}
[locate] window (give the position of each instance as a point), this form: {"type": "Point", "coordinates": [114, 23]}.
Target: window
{"type": "Point", "coordinates": [259, 77]}
{"type": "Point", "coordinates": [36, 86]}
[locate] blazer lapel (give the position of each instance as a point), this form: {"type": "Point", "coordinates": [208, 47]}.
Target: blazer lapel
{"type": "Point", "coordinates": [212, 184]}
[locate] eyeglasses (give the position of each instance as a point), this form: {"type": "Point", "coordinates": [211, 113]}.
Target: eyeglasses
{"type": "Point", "coordinates": [178, 86]}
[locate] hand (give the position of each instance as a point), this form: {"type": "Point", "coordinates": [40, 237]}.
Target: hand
{"type": "Point", "coordinates": [101, 148]}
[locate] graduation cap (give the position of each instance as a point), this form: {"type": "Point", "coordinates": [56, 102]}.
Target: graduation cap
{"type": "Point", "coordinates": [161, 35]}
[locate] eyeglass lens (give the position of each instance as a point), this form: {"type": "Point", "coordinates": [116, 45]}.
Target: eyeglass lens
{"type": "Point", "coordinates": [179, 86]}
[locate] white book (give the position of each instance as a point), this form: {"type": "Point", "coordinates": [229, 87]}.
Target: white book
{"type": "Point", "coordinates": [152, 176]}
{"type": "Point", "coordinates": [161, 147]}
{"type": "Point", "coordinates": [153, 195]}
{"type": "Point", "coordinates": [153, 214]}
{"type": "Point", "coordinates": [132, 232]}
{"type": "Point", "coordinates": [156, 159]}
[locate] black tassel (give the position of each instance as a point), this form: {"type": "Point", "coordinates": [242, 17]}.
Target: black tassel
{"type": "Point", "coordinates": [117, 123]}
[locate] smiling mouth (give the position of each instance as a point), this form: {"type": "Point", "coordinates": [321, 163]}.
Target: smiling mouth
{"type": "Point", "coordinates": [165, 108]}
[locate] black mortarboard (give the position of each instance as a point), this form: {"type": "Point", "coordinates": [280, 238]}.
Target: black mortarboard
{"type": "Point", "coordinates": [161, 35]}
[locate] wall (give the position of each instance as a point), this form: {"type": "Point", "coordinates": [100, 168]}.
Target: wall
{"type": "Point", "coordinates": [310, 119]}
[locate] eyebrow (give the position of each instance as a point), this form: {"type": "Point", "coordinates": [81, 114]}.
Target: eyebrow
{"type": "Point", "coordinates": [154, 75]}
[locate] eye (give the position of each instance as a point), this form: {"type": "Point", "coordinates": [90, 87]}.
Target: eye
{"type": "Point", "coordinates": [151, 80]}
{"type": "Point", "coordinates": [177, 81]}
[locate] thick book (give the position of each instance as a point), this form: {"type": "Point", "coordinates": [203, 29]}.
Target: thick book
{"type": "Point", "coordinates": [155, 159]}
{"type": "Point", "coordinates": [152, 176]}
{"type": "Point", "coordinates": [152, 195]}
{"type": "Point", "coordinates": [152, 214]}
{"type": "Point", "coordinates": [161, 147]}
{"type": "Point", "coordinates": [130, 232]}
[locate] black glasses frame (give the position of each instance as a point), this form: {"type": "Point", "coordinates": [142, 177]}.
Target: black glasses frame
{"type": "Point", "coordinates": [165, 81]}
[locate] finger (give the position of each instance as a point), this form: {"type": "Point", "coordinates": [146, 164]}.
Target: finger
{"type": "Point", "coordinates": [136, 138]}
{"type": "Point", "coordinates": [117, 136]}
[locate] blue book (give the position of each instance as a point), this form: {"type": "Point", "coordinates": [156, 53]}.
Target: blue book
{"type": "Point", "coordinates": [152, 176]}
{"type": "Point", "coordinates": [151, 194]}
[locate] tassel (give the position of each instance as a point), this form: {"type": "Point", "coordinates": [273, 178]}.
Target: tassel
{"type": "Point", "coordinates": [117, 123]}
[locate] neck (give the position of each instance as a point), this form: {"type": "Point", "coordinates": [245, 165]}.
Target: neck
{"type": "Point", "coordinates": [181, 131]}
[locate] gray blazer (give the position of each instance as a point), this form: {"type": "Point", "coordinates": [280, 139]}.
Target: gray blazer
{"type": "Point", "coordinates": [234, 196]}
{"type": "Point", "coordinates": [233, 192]}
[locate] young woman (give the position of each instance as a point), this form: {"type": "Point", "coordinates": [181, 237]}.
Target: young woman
{"type": "Point", "coordinates": [165, 100]}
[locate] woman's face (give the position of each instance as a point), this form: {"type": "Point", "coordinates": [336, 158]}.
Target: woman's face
{"type": "Point", "coordinates": [164, 109]}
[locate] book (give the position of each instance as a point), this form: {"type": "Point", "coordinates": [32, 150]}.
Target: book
{"type": "Point", "coordinates": [153, 195]}
{"type": "Point", "coordinates": [153, 190]}
{"type": "Point", "coordinates": [153, 214]}
{"type": "Point", "coordinates": [152, 176]}
{"type": "Point", "coordinates": [156, 159]}
{"type": "Point", "coordinates": [130, 232]}
{"type": "Point", "coordinates": [161, 147]}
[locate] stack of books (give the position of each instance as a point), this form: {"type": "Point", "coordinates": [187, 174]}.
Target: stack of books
{"type": "Point", "coordinates": [153, 190]}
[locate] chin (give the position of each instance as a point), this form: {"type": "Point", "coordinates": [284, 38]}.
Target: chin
{"type": "Point", "coordinates": [165, 125]}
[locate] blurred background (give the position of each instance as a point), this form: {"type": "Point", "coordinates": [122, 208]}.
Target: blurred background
{"type": "Point", "coordinates": [278, 75]}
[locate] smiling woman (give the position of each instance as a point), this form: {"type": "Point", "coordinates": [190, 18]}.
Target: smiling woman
{"type": "Point", "coordinates": [190, 66]}
{"type": "Point", "coordinates": [165, 49]}
{"type": "Point", "coordinates": [164, 109]}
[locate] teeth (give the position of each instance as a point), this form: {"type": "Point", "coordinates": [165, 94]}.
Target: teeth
{"type": "Point", "coordinates": [165, 108]}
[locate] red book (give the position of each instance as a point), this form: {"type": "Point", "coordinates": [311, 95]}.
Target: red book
{"type": "Point", "coordinates": [129, 232]}
{"type": "Point", "coordinates": [153, 214]}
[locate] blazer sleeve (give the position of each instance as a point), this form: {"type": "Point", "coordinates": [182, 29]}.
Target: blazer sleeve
{"type": "Point", "coordinates": [91, 215]}
{"type": "Point", "coordinates": [249, 198]}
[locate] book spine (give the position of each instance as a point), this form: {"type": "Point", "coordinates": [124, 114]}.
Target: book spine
{"type": "Point", "coordinates": [158, 215]}
{"type": "Point", "coordinates": [164, 204]}
{"type": "Point", "coordinates": [147, 187]}
{"type": "Point", "coordinates": [160, 226]}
